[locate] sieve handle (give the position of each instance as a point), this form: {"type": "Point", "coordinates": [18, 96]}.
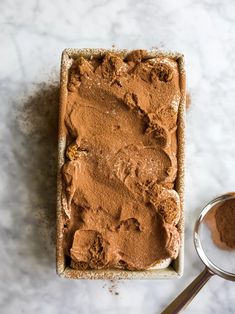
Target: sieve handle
{"type": "Point", "coordinates": [189, 293]}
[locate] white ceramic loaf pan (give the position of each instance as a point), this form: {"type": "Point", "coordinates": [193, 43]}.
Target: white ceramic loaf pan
{"type": "Point", "coordinates": [175, 269]}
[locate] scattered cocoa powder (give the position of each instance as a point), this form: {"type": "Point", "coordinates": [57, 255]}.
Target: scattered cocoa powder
{"type": "Point", "coordinates": [188, 101]}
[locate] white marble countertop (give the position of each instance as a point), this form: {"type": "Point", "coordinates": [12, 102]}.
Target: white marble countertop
{"type": "Point", "coordinates": [33, 34]}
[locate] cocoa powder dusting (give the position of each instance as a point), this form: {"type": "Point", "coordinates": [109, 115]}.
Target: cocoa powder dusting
{"type": "Point", "coordinates": [121, 162]}
{"type": "Point", "coordinates": [225, 222]}
{"type": "Point", "coordinates": [221, 221]}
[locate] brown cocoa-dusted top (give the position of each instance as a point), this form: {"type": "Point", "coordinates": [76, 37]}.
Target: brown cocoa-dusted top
{"type": "Point", "coordinates": [221, 221]}
{"type": "Point", "coordinates": [121, 120]}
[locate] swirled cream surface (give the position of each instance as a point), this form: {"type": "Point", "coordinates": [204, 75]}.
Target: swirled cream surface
{"type": "Point", "coordinates": [120, 167]}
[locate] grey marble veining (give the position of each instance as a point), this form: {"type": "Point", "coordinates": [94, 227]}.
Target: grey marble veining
{"type": "Point", "coordinates": [33, 34]}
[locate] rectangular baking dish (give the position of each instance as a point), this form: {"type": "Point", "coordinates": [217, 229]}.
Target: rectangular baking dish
{"type": "Point", "coordinates": [175, 270]}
